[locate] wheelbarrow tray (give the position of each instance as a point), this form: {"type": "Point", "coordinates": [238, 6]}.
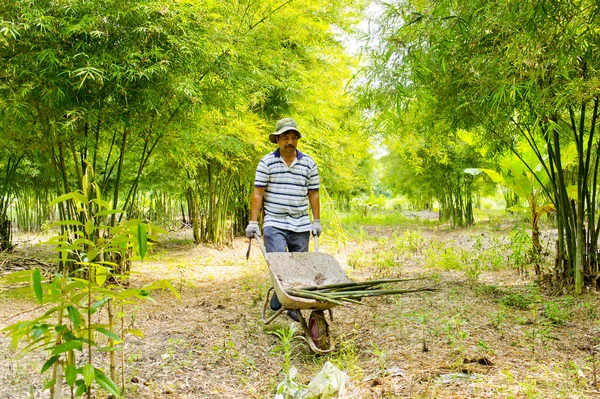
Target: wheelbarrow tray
{"type": "Point", "coordinates": [303, 269]}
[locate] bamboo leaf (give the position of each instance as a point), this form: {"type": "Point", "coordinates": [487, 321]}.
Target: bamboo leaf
{"type": "Point", "coordinates": [109, 334]}
{"type": "Point", "coordinates": [89, 373]}
{"type": "Point", "coordinates": [136, 332]}
{"type": "Point", "coordinates": [142, 237]}
{"type": "Point", "coordinates": [74, 316]}
{"type": "Point", "coordinates": [62, 198]}
{"type": "Point", "coordinates": [107, 384]}
{"type": "Point", "coordinates": [101, 274]}
{"type": "Point", "coordinates": [67, 346]}
{"type": "Point", "coordinates": [49, 363]}
{"type": "Point", "coordinates": [37, 285]}
{"type": "Point", "coordinates": [70, 374]}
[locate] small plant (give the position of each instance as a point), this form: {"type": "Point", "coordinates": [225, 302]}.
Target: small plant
{"type": "Point", "coordinates": [357, 259]}
{"type": "Point", "coordinates": [347, 357]}
{"type": "Point", "coordinates": [497, 318]}
{"type": "Point", "coordinates": [556, 313]}
{"type": "Point", "coordinates": [520, 248]}
{"type": "Point", "coordinates": [288, 388]}
{"type": "Point", "coordinates": [517, 300]}
{"type": "Point", "coordinates": [440, 256]}
{"type": "Point", "coordinates": [409, 242]}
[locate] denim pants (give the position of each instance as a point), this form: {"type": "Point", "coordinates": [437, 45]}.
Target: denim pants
{"type": "Point", "coordinates": [279, 240]}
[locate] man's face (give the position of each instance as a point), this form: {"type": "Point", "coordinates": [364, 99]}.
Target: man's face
{"type": "Point", "coordinates": [287, 142]}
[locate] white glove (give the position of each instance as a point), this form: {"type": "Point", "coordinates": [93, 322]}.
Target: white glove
{"type": "Point", "coordinates": [316, 228]}
{"type": "Point", "coordinates": [252, 229]}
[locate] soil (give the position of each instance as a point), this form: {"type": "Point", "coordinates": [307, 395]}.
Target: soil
{"type": "Point", "coordinates": [470, 339]}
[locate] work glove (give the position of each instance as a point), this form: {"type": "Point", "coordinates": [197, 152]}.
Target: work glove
{"type": "Point", "coordinates": [316, 228]}
{"type": "Point", "coordinates": [252, 229]}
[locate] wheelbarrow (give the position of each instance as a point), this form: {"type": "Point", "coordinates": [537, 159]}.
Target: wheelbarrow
{"type": "Point", "coordinates": [301, 269]}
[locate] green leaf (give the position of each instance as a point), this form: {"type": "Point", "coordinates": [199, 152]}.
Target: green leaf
{"type": "Point", "coordinates": [49, 363]}
{"type": "Point", "coordinates": [109, 212]}
{"type": "Point", "coordinates": [67, 346]}
{"type": "Point", "coordinates": [89, 373]}
{"type": "Point", "coordinates": [89, 227]}
{"type": "Point", "coordinates": [107, 384]}
{"type": "Point", "coordinates": [74, 316]}
{"type": "Point", "coordinates": [21, 276]}
{"type": "Point", "coordinates": [70, 374]}
{"type": "Point", "coordinates": [136, 332]}
{"type": "Point", "coordinates": [142, 239]}
{"type": "Point", "coordinates": [109, 334]}
{"type": "Point", "coordinates": [101, 274]}
{"type": "Point", "coordinates": [61, 198]}
{"type": "Point", "coordinates": [49, 384]}
{"type": "Point", "coordinates": [37, 285]}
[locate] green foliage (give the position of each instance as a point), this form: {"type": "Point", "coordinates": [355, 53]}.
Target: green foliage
{"type": "Point", "coordinates": [476, 65]}
{"type": "Point", "coordinates": [410, 242]}
{"type": "Point", "coordinates": [289, 387]}
{"type": "Point", "coordinates": [77, 297]}
{"type": "Point", "coordinates": [557, 312]}
{"type": "Point", "coordinates": [517, 300]}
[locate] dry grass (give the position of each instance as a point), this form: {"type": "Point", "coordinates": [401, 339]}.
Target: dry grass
{"type": "Point", "coordinates": [494, 336]}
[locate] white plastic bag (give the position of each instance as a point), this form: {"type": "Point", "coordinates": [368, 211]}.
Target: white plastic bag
{"type": "Point", "coordinates": [329, 381]}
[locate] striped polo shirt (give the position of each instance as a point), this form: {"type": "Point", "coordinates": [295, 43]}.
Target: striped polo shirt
{"type": "Point", "coordinates": [286, 190]}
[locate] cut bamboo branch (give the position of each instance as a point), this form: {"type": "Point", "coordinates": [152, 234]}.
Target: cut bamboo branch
{"type": "Point", "coordinates": [357, 284]}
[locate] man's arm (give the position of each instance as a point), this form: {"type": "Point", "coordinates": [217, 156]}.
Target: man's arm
{"type": "Point", "coordinates": [315, 204]}
{"type": "Point", "coordinates": [256, 203]}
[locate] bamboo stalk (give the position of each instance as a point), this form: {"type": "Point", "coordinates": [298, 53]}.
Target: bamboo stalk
{"type": "Point", "coordinates": [369, 293]}
{"type": "Point", "coordinates": [357, 284]}
{"type": "Point", "coordinates": [311, 295]}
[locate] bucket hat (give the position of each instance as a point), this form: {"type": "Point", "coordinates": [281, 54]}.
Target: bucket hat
{"type": "Point", "coordinates": [282, 126]}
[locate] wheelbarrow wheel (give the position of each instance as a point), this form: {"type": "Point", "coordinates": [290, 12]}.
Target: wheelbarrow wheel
{"type": "Point", "coordinates": [318, 328]}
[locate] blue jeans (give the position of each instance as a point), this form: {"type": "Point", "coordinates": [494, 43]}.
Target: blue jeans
{"type": "Point", "coordinates": [279, 240]}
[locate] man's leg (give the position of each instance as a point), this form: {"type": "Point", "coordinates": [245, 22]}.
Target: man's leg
{"type": "Point", "coordinates": [275, 239]}
{"type": "Point", "coordinates": [298, 242]}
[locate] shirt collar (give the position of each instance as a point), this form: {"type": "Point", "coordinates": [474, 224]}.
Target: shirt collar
{"type": "Point", "coordinates": [299, 154]}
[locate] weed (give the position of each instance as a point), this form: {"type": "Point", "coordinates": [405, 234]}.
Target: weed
{"type": "Point", "coordinates": [288, 388]}
{"type": "Point", "coordinates": [517, 300]}
{"type": "Point", "coordinates": [409, 242]}
{"type": "Point", "coordinates": [346, 358]}
{"type": "Point", "coordinates": [497, 318]}
{"type": "Point", "coordinates": [520, 247]}
{"type": "Point", "coordinates": [440, 256]}
{"type": "Point", "coordinates": [489, 289]}
{"type": "Point", "coordinates": [556, 313]}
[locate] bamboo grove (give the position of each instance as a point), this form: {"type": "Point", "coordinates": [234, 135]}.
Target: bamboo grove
{"type": "Point", "coordinates": [167, 105]}
{"type": "Point", "coordinates": [520, 77]}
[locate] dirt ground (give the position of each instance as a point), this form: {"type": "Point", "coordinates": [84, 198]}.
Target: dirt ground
{"type": "Point", "coordinates": [495, 336]}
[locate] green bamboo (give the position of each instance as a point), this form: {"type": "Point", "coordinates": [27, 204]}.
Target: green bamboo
{"type": "Point", "coordinates": [311, 295]}
{"type": "Point", "coordinates": [369, 293]}
{"type": "Point", "coordinates": [356, 284]}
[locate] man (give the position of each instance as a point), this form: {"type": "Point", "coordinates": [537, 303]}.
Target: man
{"type": "Point", "coordinates": [286, 183]}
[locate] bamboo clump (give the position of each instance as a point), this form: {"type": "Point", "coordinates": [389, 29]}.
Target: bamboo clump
{"type": "Point", "coordinates": [352, 292]}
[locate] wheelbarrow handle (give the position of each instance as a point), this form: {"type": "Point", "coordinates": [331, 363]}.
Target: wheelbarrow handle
{"type": "Point", "coordinates": [260, 244]}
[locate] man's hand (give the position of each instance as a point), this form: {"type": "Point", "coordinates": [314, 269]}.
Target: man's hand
{"type": "Point", "coordinates": [252, 229]}
{"type": "Point", "coordinates": [316, 227]}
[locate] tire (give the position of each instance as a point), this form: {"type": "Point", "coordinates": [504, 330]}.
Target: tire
{"type": "Point", "coordinates": [319, 329]}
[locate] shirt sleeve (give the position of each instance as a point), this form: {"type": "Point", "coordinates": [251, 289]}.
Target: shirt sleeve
{"type": "Point", "coordinates": [313, 178]}
{"type": "Point", "coordinates": [261, 178]}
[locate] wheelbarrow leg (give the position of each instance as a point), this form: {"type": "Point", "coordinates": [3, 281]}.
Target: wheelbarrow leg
{"type": "Point", "coordinates": [264, 312]}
